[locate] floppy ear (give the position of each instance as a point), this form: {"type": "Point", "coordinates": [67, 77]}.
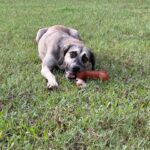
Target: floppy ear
{"type": "Point", "coordinates": [40, 33]}
{"type": "Point", "coordinates": [92, 60]}
{"type": "Point", "coordinates": [63, 50]}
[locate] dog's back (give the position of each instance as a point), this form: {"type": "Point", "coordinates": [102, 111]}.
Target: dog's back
{"type": "Point", "coordinates": [57, 28]}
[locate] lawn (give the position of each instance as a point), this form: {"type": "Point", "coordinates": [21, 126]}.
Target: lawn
{"type": "Point", "coordinates": [103, 116]}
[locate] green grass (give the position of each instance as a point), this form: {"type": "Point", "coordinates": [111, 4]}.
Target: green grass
{"type": "Point", "coordinates": [113, 115]}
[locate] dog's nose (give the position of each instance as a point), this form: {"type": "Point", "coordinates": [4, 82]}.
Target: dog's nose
{"type": "Point", "coordinates": [75, 68]}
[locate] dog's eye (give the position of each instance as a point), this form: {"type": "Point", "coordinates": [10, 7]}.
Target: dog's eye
{"type": "Point", "coordinates": [84, 58]}
{"type": "Point", "coordinates": [73, 54]}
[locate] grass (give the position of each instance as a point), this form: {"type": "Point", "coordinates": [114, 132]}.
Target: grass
{"type": "Point", "coordinates": [112, 115]}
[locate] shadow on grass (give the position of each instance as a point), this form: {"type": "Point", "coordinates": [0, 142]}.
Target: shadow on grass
{"type": "Point", "coordinates": [122, 68]}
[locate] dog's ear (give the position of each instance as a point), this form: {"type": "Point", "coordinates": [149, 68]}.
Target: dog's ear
{"type": "Point", "coordinates": [92, 60]}
{"type": "Point", "coordinates": [63, 50]}
{"type": "Point", "coordinates": [40, 33]}
{"type": "Point", "coordinates": [91, 57]}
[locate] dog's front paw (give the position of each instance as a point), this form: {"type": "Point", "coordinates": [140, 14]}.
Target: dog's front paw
{"type": "Point", "coordinates": [52, 85]}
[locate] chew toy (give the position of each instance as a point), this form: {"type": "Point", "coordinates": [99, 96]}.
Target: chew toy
{"type": "Point", "coordinates": [82, 76]}
{"type": "Point", "coordinates": [93, 75]}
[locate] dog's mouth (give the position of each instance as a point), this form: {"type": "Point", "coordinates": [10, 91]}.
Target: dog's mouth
{"type": "Point", "coordinates": [70, 75]}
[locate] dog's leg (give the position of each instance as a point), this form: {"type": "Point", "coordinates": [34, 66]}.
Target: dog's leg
{"type": "Point", "coordinates": [47, 66]}
{"type": "Point", "coordinates": [52, 83]}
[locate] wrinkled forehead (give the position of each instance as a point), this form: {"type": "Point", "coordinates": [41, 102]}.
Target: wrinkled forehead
{"type": "Point", "coordinates": [80, 50]}
{"type": "Point", "coordinates": [76, 48]}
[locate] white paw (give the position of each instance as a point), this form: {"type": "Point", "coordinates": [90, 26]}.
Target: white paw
{"type": "Point", "coordinates": [80, 83]}
{"type": "Point", "coordinates": [52, 84]}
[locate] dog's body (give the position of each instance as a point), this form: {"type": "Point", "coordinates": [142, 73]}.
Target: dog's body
{"type": "Point", "coordinates": [61, 47]}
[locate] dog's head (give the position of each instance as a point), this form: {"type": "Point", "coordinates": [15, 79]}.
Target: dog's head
{"type": "Point", "coordinates": [77, 58]}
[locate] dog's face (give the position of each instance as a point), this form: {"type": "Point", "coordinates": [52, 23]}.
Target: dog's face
{"type": "Point", "coordinates": [78, 58]}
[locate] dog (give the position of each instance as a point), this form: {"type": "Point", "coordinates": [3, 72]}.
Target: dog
{"type": "Point", "coordinates": [61, 47]}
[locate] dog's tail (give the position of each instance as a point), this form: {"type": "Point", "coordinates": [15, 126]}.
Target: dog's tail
{"type": "Point", "coordinates": [40, 33]}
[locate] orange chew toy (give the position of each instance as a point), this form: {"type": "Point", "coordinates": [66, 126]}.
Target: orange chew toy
{"type": "Point", "coordinates": [103, 75]}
